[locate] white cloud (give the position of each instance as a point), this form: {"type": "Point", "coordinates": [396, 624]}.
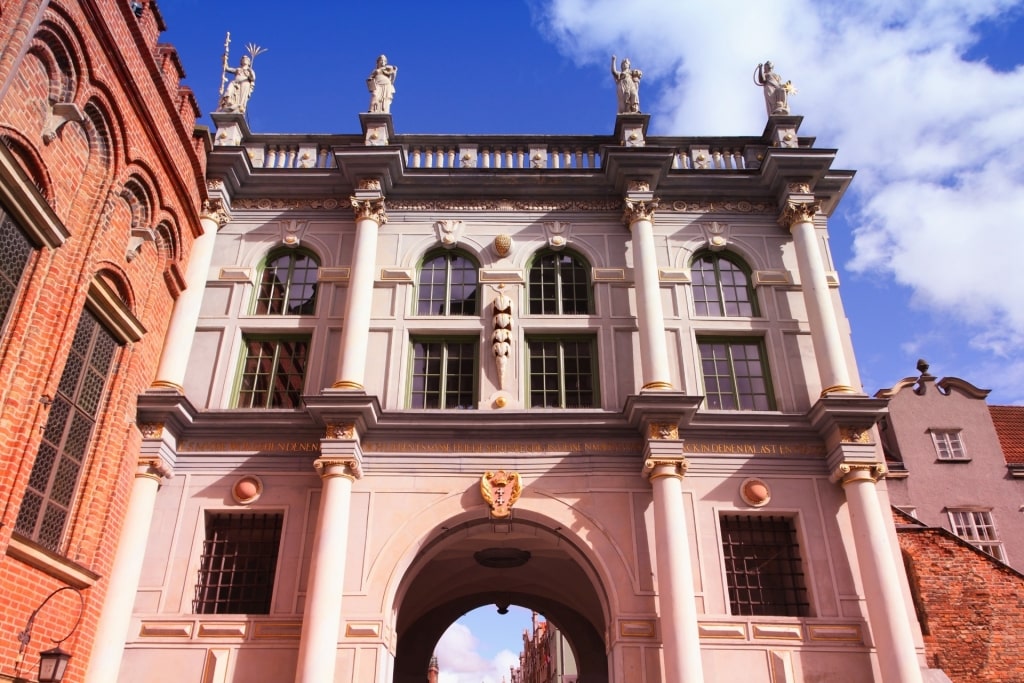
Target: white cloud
{"type": "Point", "coordinates": [938, 141]}
{"type": "Point", "coordinates": [459, 660]}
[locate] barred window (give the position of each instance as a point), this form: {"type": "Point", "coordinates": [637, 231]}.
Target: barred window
{"type": "Point", "coordinates": [562, 372]}
{"type": "Point", "coordinates": [762, 566]}
{"type": "Point", "coordinates": [721, 286]}
{"type": "Point", "coordinates": [236, 571]}
{"type": "Point", "coordinates": [443, 374]}
{"type": "Point", "coordinates": [273, 372]}
{"type": "Point", "coordinates": [447, 285]}
{"type": "Point", "coordinates": [288, 283]}
{"type": "Point", "coordinates": [735, 374]}
{"type": "Point", "coordinates": [67, 434]}
{"type": "Point", "coordinates": [15, 250]}
{"type": "Point", "coordinates": [977, 528]}
{"type": "Point", "coordinates": [949, 445]}
{"type": "Point", "coordinates": [559, 284]}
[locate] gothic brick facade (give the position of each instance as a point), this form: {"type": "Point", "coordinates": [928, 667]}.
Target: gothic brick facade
{"type": "Point", "coordinates": [100, 188]}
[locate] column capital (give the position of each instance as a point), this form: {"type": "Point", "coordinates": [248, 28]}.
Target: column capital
{"type": "Point", "coordinates": [328, 468]}
{"type": "Point", "coordinates": [372, 209]}
{"type": "Point", "coordinates": [156, 469]}
{"type": "Point", "coordinates": [849, 472]}
{"type": "Point", "coordinates": [214, 210]}
{"type": "Point", "coordinates": [795, 212]}
{"type": "Point", "coordinates": [638, 210]}
{"type": "Point", "coordinates": [661, 466]}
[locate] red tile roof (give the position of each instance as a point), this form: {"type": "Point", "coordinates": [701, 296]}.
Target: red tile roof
{"type": "Point", "coordinates": [1009, 424]}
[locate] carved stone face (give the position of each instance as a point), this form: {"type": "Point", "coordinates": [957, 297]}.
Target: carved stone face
{"type": "Point", "coordinates": [625, 63]}
{"type": "Point", "coordinates": [246, 61]}
{"type": "Point", "coordinates": [382, 61]}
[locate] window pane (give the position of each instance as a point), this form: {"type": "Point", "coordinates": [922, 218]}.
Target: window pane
{"type": "Point", "coordinates": [562, 373]}
{"type": "Point", "coordinates": [559, 284]}
{"type": "Point", "coordinates": [721, 287]}
{"type": "Point", "coordinates": [443, 375]}
{"type": "Point", "coordinates": [447, 285]}
{"type": "Point", "coordinates": [273, 373]}
{"type": "Point", "coordinates": [288, 284]}
{"type": "Point", "coordinates": [735, 375]}
{"type": "Point", "coordinates": [15, 250]}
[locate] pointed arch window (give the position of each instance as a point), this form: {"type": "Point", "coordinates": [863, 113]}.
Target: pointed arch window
{"type": "Point", "coordinates": [15, 251]}
{"type": "Point", "coordinates": [721, 286]}
{"type": "Point", "coordinates": [560, 284]}
{"type": "Point", "coordinates": [448, 284]}
{"type": "Point", "coordinates": [288, 283]}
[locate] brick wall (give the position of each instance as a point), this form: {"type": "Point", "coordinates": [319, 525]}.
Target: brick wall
{"type": "Point", "coordinates": [971, 606]}
{"type": "Point", "coordinates": [131, 123]}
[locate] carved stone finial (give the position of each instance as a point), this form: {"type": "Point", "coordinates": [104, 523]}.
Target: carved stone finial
{"type": "Point", "coordinates": [922, 366]}
{"type": "Point", "coordinates": [372, 209]}
{"type": "Point", "coordinates": [627, 82]}
{"type": "Point", "coordinates": [502, 245]}
{"type": "Point", "coordinates": [500, 490]}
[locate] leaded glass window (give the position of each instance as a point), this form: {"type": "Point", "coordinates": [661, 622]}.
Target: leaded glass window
{"type": "Point", "coordinates": [67, 434]}
{"type": "Point", "coordinates": [273, 372]}
{"type": "Point", "coordinates": [288, 284]}
{"type": "Point", "coordinates": [721, 286]}
{"type": "Point", "coordinates": [448, 285]}
{"type": "Point", "coordinates": [735, 374]}
{"type": "Point", "coordinates": [15, 250]}
{"type": "Point", "coordinates": [559, 284]}
{"type": "Point", "coordinates": [443, 374]}
{"type": "Point", "coordinates": [562, 372]}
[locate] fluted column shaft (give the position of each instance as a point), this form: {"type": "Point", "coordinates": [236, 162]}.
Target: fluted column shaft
{"type": "Point", "coordinates": [321, 622]}
{"type": "Point", "coordinates": [890, 625]}
{"type": "Point", "coordinates": [355, 333]}
{"type": "Point", "coordinates": [123, 582]}
{"type": "Point", "coordinates": [825, 336]}
{"type": "Point", "coordinates": [678, 609]}
{"type": "Point", "coordinates": [185, 316]}
{"type": "Point", "coordinates": [654, 365]}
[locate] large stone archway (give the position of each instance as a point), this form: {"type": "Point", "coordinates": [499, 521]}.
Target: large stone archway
{"type": "Point", "coordinates": [449, 578]}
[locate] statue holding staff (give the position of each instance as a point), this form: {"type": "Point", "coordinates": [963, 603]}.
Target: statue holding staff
{"type": "Point", "coordinates": [776, 93]}
{"type": "Point", "coordinates": [235, 95]}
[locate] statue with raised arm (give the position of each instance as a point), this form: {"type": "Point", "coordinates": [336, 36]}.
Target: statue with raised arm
{"type": "Point", "coordinates": [381, 84]}
{"type": "Point", "coordinates": [628, 82]}
{"type": "Point", "coordinates": [236, 95]}
{"type": "Point", "coordinates": [776, 93]}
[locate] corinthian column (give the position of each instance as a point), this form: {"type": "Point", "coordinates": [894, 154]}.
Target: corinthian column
{"type": "Point", "coordinates": [680, 634]}
{"type": "Point", "coordinates": [123, 582]}
{"type": "Point", "coordinates": [182, 328]}
{"type": "Point", "coordinates": [368, 204]}
{"type": "Point", "coordinates": [321, 623]}
{"type": "Point", "coordinates": [640, 205]}
{"type": "Point", "coordinates": [798, 217]}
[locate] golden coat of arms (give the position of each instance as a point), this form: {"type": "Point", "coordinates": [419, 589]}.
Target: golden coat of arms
{"type": "Point", "coordinates": [501, 490]}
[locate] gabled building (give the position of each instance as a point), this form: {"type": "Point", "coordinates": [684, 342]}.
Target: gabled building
{"type": "Point", "coordinates": [100, 194]}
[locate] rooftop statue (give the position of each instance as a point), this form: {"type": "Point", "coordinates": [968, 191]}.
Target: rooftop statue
{"type": "Point", "coordinates": [628, 81]}
{"type": "Point", "coordinates": [381, 84]}
{"type": "Point", "coordinates": [234, 96]}
{"type": "Point", "coordinates": [776, 93]}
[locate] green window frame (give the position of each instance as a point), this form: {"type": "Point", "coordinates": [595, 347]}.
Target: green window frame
{"type": "Point", "coordinates": [448, 284]}
{"type": "Point", "coordinates": [559, 284]}
{"type": "Point", "coordinates": [273, 371]}
{"type": "Point", "coordinates": [443, 373]}
{"type": "Point", "coordinates": [287, 283]}
{"type": "Point", "coordinates": [735, 372]}
{"type": "Point", "coordinates": [72, 417]}
{"type": "Point", "coordinates": [562, 372]}
{"type": "Point", "coordinates": [722, 287]}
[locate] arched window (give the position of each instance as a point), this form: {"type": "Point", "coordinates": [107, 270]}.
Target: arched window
{"type": "Point", "coordinates": [721, 286]}
{"type": "Point", "coordinates": [559, 284]}
{"type": "Point", "coordinates": [15, 251]}
{"type": "Point", "coordinates": [287, 283]}
{"type": "Point", "coordinates": [448, 284]}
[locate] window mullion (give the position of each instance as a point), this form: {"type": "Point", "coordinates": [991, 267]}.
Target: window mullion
{"type": "Point", "coordinates": [272, 375]}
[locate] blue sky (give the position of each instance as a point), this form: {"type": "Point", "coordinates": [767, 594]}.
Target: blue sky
{"type": "Point", "coordinates": [924, 99]}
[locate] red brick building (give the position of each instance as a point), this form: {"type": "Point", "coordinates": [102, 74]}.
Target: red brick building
{"type": "Point", "coordinates": [100, 189]}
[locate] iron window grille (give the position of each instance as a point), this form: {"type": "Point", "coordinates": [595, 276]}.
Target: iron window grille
{"type": "Point", "coordinates": [977, 528]}
{"type": "Point", "coordinates": [559, 284]}
{"type": "Point", "coordinates": [288, 284]}
{"type": "Point", "coordinates": [443, 374]}
{"type": "Point", "coordinates": [949, 444]}
{"type": "Point", "coordinates": [68, 432]}
{"type": "Point", "coordinates": [735, 374]}
{"type": "Point", "coordinates": [239, 561]}
{"type": "Point", "coordinates": [15, 250]}
{"type": "Point", "coordinates": [562, 372]}
{"type": "Point", "coordinates": [447, 285]}
{"type": "Point", "coordinates": [273, 372]}
{"type": "Point", "coordinates": [721, 286]}
{"type": "Point", "coordinates": [763, 568]}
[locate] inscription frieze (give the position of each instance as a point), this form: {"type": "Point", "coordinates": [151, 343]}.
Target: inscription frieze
{"type": "Point", "coordinates": [702, 446]}
{"type": "Point", "coordinates": [248, 446]}
{"type": "Point", "coordinates": [332, 204]}
{"type": "Point", "coordinates": [604, 447]}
